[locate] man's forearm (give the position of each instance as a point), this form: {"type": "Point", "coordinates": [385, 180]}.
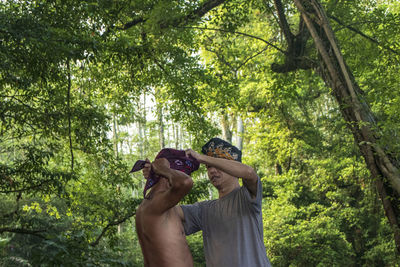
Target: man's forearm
{"type": "Point", "coordinates": [179, 179]}
{"type": "Point", "coordinates": [232, 167]}
{"type": "Point", "coordinates": [175, 177]}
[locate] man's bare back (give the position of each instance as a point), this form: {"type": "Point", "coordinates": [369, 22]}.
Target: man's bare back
{"type": "Point", "coordinates": [162, 238]}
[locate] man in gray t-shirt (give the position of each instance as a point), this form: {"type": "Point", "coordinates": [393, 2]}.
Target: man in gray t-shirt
{"type": "Point", "coordinates": [232, 225]}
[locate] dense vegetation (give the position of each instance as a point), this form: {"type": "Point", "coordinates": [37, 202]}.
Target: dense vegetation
{"type": "Point", "coordinates": [310, 90]}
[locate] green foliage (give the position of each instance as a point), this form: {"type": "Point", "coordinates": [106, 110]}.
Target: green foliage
{"type": "Point", "coordinates": [195, 242]}
{"type": "Point", "coordinates": [82, 84]}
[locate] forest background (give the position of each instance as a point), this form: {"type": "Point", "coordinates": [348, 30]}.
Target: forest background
{"type": "Point", "coordinates": [309, 90]}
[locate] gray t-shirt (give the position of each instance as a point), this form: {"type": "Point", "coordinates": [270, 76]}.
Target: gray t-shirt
{"type": "Point", "coordinates": [232, 229]}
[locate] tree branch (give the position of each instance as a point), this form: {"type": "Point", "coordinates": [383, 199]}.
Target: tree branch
{"type": "Point", "coordinates": [132, 23]}
{"type": "Point", "coordinates": [251, 57]}
{"type": "Point", "coordinates": [221, 58]}
{"type": "Point", "coordinates": [202, 10]}
{"type": "Point", "coordinates": [296, 45]}
{"type": "Point", "coordinates": [26, 189]}
{"type": "Point", "coordinates": [239, 33]}
{"type": "Point", "coordinates": [283, 22]}
{"type": "Point", "coordinates": [105, 229]}
{"type": "Point", "coordinates": [363, 34]}
{"type": "Point", "coordinates": [23, 231]}
{"type": "Point", "coordinates": [192, 16]}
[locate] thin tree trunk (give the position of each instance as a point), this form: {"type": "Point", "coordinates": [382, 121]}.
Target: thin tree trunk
{"type": "Point", "coordinates": [140, 132]}
{"type": "Point", "coordinates": [69, 114]}
{"type": "Point", "coordinates": [181, 138]}
{"type": "Point", "coordinates": [176, 136]}
{"type": "Point", "coordinates": [226, 131]}
{"type": "Point", "coordinates": [169, 126]}
{"type": "Point", "coordinates": [115, 135]}
{"type": "Point", "coordinates": [278, 169]}
{"type": "Point", "coordinates": [240, 133]}
{"type": "Point", "coordinates": [115, 143]}
{"type": "Point", "coordinates": [144, 128]}
{"type": "Point", "coordinates": [160, 126]}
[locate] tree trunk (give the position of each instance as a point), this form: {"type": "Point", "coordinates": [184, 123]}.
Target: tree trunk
{"type": "Point", "coordinates": [144, 124]}
{"type": "Point", "coordinates": [142, 127]}
{"type": "Point", "coordinates": [69, 115]}
{"type": "Point", "coordinates": [176, 136]}
{"type": "Point", "coordinates": [115, 143]}
{"type": "Point", "coordinates": [160, 126]}
{"type": "Point", "coordinates": [226, 131]}
{"type": "Point", "coordinates": [115, 135]}
{"type": "Point", "coordinates": [354, 109]}
{"type": "Point", "coordinates": [278, 169]}
{"type": "Point", "coordinates": [240, 132]}
{"type": "Point", "coordinates": [182, 138]}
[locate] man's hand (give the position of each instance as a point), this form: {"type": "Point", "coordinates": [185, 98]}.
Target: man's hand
{"type": "Point", "coordinates": [194, 154]}
{"type": "Point", "coordinates": [180, 184]}
{"type": "Point", "coordinates": [146, 169]}
{"type": "Point", "coordinates": [160, 166]}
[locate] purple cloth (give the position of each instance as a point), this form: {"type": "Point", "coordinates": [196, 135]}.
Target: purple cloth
{"type": "Point", "coordinates": [177, 161]}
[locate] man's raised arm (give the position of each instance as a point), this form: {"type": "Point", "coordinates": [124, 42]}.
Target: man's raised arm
{"type": "Point", "coordinates": [231, 167]}
{"type": "Point", "coordinates": [180, 182]}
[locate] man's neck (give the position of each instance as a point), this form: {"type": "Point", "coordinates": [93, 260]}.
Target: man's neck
{"type": "Point", "coordinates": [227, 189]}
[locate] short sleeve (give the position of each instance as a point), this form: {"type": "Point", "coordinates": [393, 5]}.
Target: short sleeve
{"type": "Point", "coordinates": [192, 221]}
{"type": "Point", "coordinates": [255, 202]}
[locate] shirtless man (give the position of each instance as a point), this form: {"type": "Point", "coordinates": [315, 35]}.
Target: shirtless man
{"type": "Point", "coordinates": [159, 220]}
